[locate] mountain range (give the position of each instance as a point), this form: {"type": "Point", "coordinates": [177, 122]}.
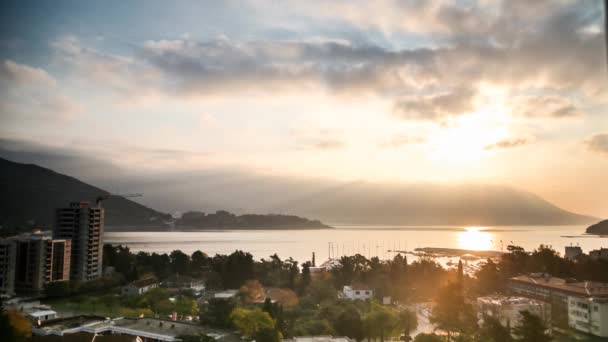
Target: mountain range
{"type": "Point", "coordinates": [31, 193]}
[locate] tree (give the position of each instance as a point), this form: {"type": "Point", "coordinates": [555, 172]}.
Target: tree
{"type": "Point", "coordinates": [57, 289]}
{"type": "Point", "coordinates": [488, 278]}
{"type": "Point", "coordinates": [531, 329]}
{"type": "Point", "coordinates": [492, 331]}
{"type": "Point", "coordinates": [180, 262]}
{"type": "Point", "coordinates": [186, 306]}
{"type": "Point", "coordinates": [249, 322]}
{"type": "Point", "coordinates": [408, 321]}
{"type": "Point", "coordinates": [252, 292]}
{"type": "Point", "coordinates": [382, 321]}
{"type": "Point", "coordinates": [451, 313]}
{"type": "Point", "coordinates": [422, 337]}
{"type": "Point", "coordinates": [304, 278]}
{"type": "Point", "coordinates": [460, 273]}
{"type": "Point", "coordinates": [268, 335]}
{"type": "Point", "coordinates": [195, 338]}
{"type": "Point", "coordinates": [13, 326]}
{"type": "Point", "coordinates": [218, 311]}
{"type": "Point", "coordinates": [349, 324]}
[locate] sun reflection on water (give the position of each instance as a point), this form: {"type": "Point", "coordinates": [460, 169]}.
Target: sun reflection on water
{"type": "Point", "coordinates": [475, 238]}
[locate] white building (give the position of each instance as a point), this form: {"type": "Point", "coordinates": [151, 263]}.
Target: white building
{"type": "Point", "coordinates": [139, 287]}
{"type": "Point", "coordinates": [357, 292]}
{"type": "Point", "coordinates": [42, 315]}
{"type": "Point", "coordinates": [572, 252]}
{"type": "Point", "coordinates": [588, 315]}
{"type": "Point", "coordinates": [507, 309]}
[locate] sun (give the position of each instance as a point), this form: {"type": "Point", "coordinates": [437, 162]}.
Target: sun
{"type": "Point", "coordinates": [475, 238]}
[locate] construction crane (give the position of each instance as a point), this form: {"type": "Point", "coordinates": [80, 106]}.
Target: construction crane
{"type": "Point", "coordinates": [104, 197]}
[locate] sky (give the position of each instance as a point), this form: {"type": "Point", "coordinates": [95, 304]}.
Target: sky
{"type": "Point", "coordinates": [505, 92]}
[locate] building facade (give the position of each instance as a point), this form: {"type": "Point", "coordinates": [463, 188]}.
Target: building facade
{"type": "Point", "coordinates": [40, 260]}
{"type": "Point", "coordinates": [557, 292]}
{"type": "Point", "coordinates": [572, 252]}
{"type": "Point", "coordinates": [84, 225]}
{"type": "Point", "coordinates": [139, 287]}
{"type": "Point", "coordinates": [29, 261]}
{"type": "Point", "coordinates": [357, 292]}
{"type": "Point", "coordinates": [507, 309]}
{"type": "Point", "coordinates": [7, 267]}
{"type": "Point", "coordinates": [589, 315]}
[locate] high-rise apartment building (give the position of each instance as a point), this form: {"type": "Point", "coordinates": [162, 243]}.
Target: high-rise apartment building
{"type": "Point", "coordinates": [83, 224]}
{"type": "Point", "coordinates": [29, 261]}
{"type": "Point", "coordinates": [7, 267]}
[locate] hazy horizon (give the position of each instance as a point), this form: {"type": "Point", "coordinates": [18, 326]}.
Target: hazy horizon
{"type": "Point", "coordinates": [134, 96]}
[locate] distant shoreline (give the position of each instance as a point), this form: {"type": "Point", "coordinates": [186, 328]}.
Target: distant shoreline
{"type": "Point", "coordinates": [203, 229]}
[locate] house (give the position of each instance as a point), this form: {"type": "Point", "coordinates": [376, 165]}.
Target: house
{"type": "Point", "coordinates": [599, 254]}
{"type": "Point", "coordinates": [227, 294]}
{"type": "Point", "coordinates": [139, 287]}
{"type": "Point", "coordinates": [185, 283]}
{"type": "Point", "coordinates": [507, 309]}
{"type": "Point", "coordinates": [589, 315]}
{"type": "Point", "coordinates": [42, 315]}
{"type": "Point", "coordinates": [357, 292]}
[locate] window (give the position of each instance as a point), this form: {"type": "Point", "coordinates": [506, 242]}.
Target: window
{"type": "Point", "coordinates": [356, 292]}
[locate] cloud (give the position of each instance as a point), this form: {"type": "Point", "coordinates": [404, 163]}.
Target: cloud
{"type": "Point", "coordinates": [436, 107]}
{"type": "Point", "coordinates": [30, 93]}
{"type": "Point", "coordinates": [401, 140]}
{"type": "Point", "coordinates": [548, 106]}
{"type": "Point", "coordinates": [321, 139]}
{"type": "Point", "coordinates": [508, 143]}
{"type": "Point", "coordinates": [598, 143]}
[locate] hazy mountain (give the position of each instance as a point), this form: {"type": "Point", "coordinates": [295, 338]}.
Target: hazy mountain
{"type": "Point", "coordinates": [330, 201]}
{"type": "Point", "coordinates": [431, 204]}
{"type": "Point", "coordinates": [30, 194]}
{"type": "Point", "coordinates": [600, 228]}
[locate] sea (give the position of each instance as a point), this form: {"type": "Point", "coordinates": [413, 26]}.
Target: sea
{"type": "Point", "coordinates": [381, 241]}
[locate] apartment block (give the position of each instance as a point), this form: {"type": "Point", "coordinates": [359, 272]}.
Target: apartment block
{"type": "Point", "coordinates": [7, 267]}
{"type": "Point", "coordinates": [83, 224]}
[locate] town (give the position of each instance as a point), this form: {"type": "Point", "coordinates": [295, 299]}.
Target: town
{"type": "Point", "coordinates": [66, 283]}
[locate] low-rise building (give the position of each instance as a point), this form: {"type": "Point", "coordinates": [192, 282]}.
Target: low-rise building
{"type": "Point", "coordinates": [589, 315]}
{"type": "Point", "coordinates": [184, 283]}
{"type": "Point", "coordinates": [42, 315]}
{"type": "Point", "coordinates": [599, 254]}
{"type": "Point", "coordinates": [572, 252]}
{"type": "Point", "coordinates": [556, 291]}
{"type": "Point", "coordinates": [318, 339]}
{"type": "Point", "coordinates": [148, 329]}
{"type": "Point", "coordinates": [139, 287]}
{"type": "Point", "coordinates": [507, 309]}
{"type": "Point", "coordinates": [357, 292]}
{"type": "Point", "coordinates": [226, 294]}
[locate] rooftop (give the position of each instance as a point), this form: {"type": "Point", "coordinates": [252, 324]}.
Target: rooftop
{"type": "Point", "coordinates": [580, 288]}
{"type": "Point", "coordinates": [507, 300]}
{"type": "Point", "coordinates": [42, 313]}
{"type": "Point", "coordinates": [318, 339]}
{"type": "Point", "coordinates": [144, 282]}
{"type": "Point", "coordinates": [145, 327]}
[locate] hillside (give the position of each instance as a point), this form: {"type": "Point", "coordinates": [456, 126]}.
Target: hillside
{"type": "Point", "coordinates": [600, 228]}
{"type": "Point", "coordinates": [224, 219]}
{"type": "Point", "coordinates": [30, 194]}
{"type": "Point", "coordinates": [430, 204]}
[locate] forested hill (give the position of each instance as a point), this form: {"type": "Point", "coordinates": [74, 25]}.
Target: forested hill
{"type": "Point", "coordinates": [600, 228]}
{"type": "Point", "coordinates": [224, 219]}
{"type": "Point", "coordinates": [30, 194]}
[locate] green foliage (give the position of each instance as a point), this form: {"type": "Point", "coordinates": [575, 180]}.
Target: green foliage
{"type": "Point", "coordinates": [451, 313]}
{"type": "Point", "coordinates": [381, 322]}
{"type": "Point", "coordinates": [349, 323]}
{"type": "Point", "coordinates": [408, 321]}
{"type": "Point", "coordinates": [422, 337]}
{"type": "Point", "coordinates": [218, 311]}
{"type": "Point", "coordinates": [249, 322]}
{"type": "Point", "coordinates": [196, 338]}
{"type": "Point", "coordinates": [531, 329]}
{"type": "Point", "coordinates": [186, 306]}
{"type": "Point", "coordinates": [268, 335]}
{"type": "Point", "coordinates": [492, 331]}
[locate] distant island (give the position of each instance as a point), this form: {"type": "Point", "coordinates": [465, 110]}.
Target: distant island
{"type": "Point", "coordinates": [600, 228]}
{"type": "Point", "coordinates": [222, 219]}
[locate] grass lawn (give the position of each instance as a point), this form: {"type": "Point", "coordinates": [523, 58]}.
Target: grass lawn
{"type": "Point", "coordinates": [108, 305]}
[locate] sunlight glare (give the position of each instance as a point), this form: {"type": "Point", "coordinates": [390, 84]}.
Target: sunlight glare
{"type": "Point", "coordinates": [475, 238]}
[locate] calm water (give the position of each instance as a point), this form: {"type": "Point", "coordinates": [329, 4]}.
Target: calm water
{"type": "Point", "coordinates": [366, 240]}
